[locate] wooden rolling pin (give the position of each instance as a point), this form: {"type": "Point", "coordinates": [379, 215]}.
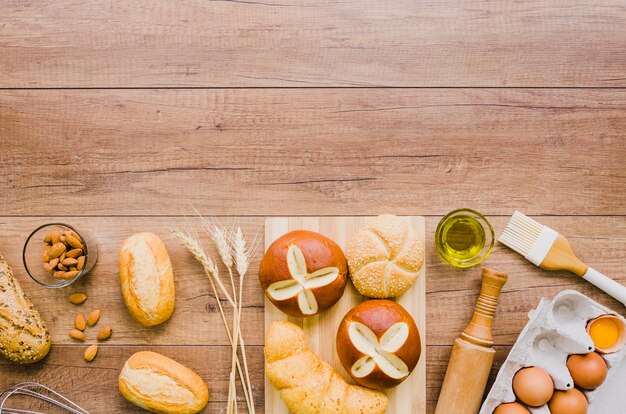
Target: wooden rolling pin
{"type": "Point", "coordinates": [473, 353]}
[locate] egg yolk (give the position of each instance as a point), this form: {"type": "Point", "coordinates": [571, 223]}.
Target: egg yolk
{"type": "Point", "coordinates": [604, 333]}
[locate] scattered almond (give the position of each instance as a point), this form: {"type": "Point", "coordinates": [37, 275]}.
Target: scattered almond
{"type": "Point", "coordinates": [79, 322]}
{"type": "Point", "coordinates": [91, 352]}
{"type": "Point", "coordinates": [74, 253]}
{"type": "Point", "coordinates": [80, 263]}
{"type": "Point", "coordinates": [93, 317]}
{"type": "Point", "coordinates": [77, 298]}
{"type": "Point", "coordinates": [104, 333]}
{"type": "Point", "coordinates": [78, 335]}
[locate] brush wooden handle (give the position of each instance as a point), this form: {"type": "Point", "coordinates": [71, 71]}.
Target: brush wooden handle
{"type": "Point", "coordinates": [605, 283]}
{"type": "Point", "coordinates": [472, 355]}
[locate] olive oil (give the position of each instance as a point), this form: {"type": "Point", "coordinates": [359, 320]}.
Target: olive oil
{"type": "Point", "coordinates": [461, 238]}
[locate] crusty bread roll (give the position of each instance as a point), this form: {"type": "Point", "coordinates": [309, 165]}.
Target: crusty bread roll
{"type": "Point", "coordinates": [303, 273]}
{"type": "Point", "coordinates": [161, 385]}
{"type": "Point", "coordinates": [147, 279]}
{"type": "Point", "coordinates": [378, 343]}
{"type": "Point", "coordinates": [385, 257]}
{"type": "Point", "coordinates": [309, 385]}
{"type": "Point", "coordinates": [23, 335]}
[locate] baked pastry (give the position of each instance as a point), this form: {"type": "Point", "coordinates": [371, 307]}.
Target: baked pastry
{"type": "Point", "coordinates": [309, 385]}
{"type": "Point", "coordinates": [24, 338]}
{"type": "Point", "coordinates": [303, 273]}
{"type": "Point", "coordinates": [378, 344]}
{"type": "Point", "coordinates": [147, 279]}
{"type": "Point", "coordinates": [385, 257]}
{"type": "Point", "coordinates": [159, 384]}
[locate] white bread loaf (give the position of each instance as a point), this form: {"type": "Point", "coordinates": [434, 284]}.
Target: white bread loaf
{"type": "Point", "coordinates": [147, 279]}
{"type": "Point", "coordinates": [161, 385]}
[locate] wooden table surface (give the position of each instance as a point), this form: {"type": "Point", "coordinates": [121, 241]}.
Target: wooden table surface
{"type": "Point", "coordinates": [122, 116]}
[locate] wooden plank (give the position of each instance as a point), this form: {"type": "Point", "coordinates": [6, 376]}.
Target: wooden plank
{"type": "Point", "coordinates": [321, 330]}
{"type": "Point", "coordinates": [312, 152]}
{"type": "Point", "coordinates": [451, 293]}
{"type": "Point", "coordinates": [94, 385]}
{"type": "Point", "coordinates": [148, 43]}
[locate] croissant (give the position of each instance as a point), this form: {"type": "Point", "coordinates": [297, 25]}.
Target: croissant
{"type": "Point", "coordinates": [309, 385]}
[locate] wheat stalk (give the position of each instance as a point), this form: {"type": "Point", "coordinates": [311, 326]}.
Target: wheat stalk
{"type": "Point", "coordinates": [231, 247]}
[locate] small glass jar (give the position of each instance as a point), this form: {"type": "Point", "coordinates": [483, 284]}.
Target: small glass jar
{"type": "Point", "coordinates": [33, 253]}
{"type": "Point", "coordinates": [464, 238]}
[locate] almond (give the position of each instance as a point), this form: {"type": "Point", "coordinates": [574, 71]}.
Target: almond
{"type": "Point", "coordinates": [80, 263]}
{"type": "Point", "coordinates": [104, 333]}
{"type": "Point", "coordinates": [78, 335]}
{"type": "Point", "coordinates": [59, 274]}
{"type": "Point", "coordinates": [70, 261]}
{"type": "Point", "coordinates": [62, 257]}
{"type": "Point", "coordinates": [46, 253]}
{"type": "Point", "coordinates": [56, 250]}
{"type": "Point", "coordinates": [74, 253]}
{"type": "Point", "coordinates": [48, 238]}
{"type": "Point", "coordinates": [73, 268]}
{"type": "Point", "coordinates": [53, 263]}
{"type": "Point", "coordinates": [78, 298]}
{"type": "Point", "coordinates": [55, 237]}
{"type": "Point", "coordinates": [71, 274]}
{"type": "Point", "coordinates": [79, 322]}
{"type": "Point", "coordinates": [93, 317]}
{"type": "Point", "coordinates": [62, 267]}
{"type": "Point", "coordinates": [71, 233]}
{"type": "Point", "coordinates": [74, 242]}
{"type": "Point", "coordinates": [91, 352]}
{"type": "Point", "coordinates": [47, 267]}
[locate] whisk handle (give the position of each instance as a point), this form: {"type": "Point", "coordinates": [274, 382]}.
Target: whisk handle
{"type": "Point", "coordinates": [605, 283]}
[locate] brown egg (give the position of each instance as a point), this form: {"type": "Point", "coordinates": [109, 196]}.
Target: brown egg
{"type": "Point", "coordinates": [511, 408]}
{"type": "Point", "coordinates": [588, 371]}
{"type": "Point", "coordinates": [533, 386]}
{"type": "Point", "coordinates": [568, 402]}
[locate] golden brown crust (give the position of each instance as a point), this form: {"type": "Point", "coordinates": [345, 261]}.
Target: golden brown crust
{"type": "Point", "coordinates": [309, 385]}
{"type": "Point", "coordinates": [385, 257]}
{"type": "Point", "coordinates": [143, 259]}
{"type": "Point", "coordinates": [319, 253]}
{"type": "Point", "coordinates": [378, 316]}
{"type": "Point", "coordinates": [24, 338]}
{"type": "Point", "coordinates": [151, 394]}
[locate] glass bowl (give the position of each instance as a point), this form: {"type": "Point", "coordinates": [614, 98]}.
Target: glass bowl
{"type": "Point", "coordinates": [32, 255]}
{"type": "Point", "coordinates": [464, 238]}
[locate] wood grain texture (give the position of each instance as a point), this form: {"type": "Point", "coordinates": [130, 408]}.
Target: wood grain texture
{"type": "Point", "coordinates": [194, 335]}
{"type": "Point", "coordinates": [313, 152]}
{"type": "Point", "coordinates": [312, 43]}
{"type": "Point", "coordinates": [322, 329]}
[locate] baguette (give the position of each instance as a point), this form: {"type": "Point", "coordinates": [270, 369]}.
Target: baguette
{"type": "Point", "coordinates": [309, 385]}
{"type": "Point", "coordinates": [147, 279]}
{"type": "Point", "coordinates": [24, 338]}
{"type": "Point", "coordinates": [161, 385]}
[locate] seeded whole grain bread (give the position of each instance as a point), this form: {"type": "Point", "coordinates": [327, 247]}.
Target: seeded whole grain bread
{"type": "Point", "coordinates": [24, 338]}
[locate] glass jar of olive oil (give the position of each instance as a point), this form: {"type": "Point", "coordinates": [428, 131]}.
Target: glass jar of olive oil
{"type": "Point", "coordinates": [464, 238]}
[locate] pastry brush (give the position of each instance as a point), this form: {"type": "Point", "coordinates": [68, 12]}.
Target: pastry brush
{"type": "Point", "coordinates": [549, 250]}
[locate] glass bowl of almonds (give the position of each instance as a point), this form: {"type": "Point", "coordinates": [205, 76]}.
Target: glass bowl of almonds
{"type": "Point", "coordinates": [55, 255]}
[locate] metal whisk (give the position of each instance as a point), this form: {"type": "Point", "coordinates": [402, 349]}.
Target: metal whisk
{"type": "Point", "coordinates": [40, 392]}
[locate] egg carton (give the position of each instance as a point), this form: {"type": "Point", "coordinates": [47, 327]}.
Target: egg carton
{"type": "Point", "coordinates": [557, 329]}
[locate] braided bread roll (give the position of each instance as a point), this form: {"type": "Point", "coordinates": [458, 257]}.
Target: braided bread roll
{"type": "Point", "coordinates": [309, 385]}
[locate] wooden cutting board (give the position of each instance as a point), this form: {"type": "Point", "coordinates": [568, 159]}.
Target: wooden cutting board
{"type": "Point", "coordinates": [408, 397]}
